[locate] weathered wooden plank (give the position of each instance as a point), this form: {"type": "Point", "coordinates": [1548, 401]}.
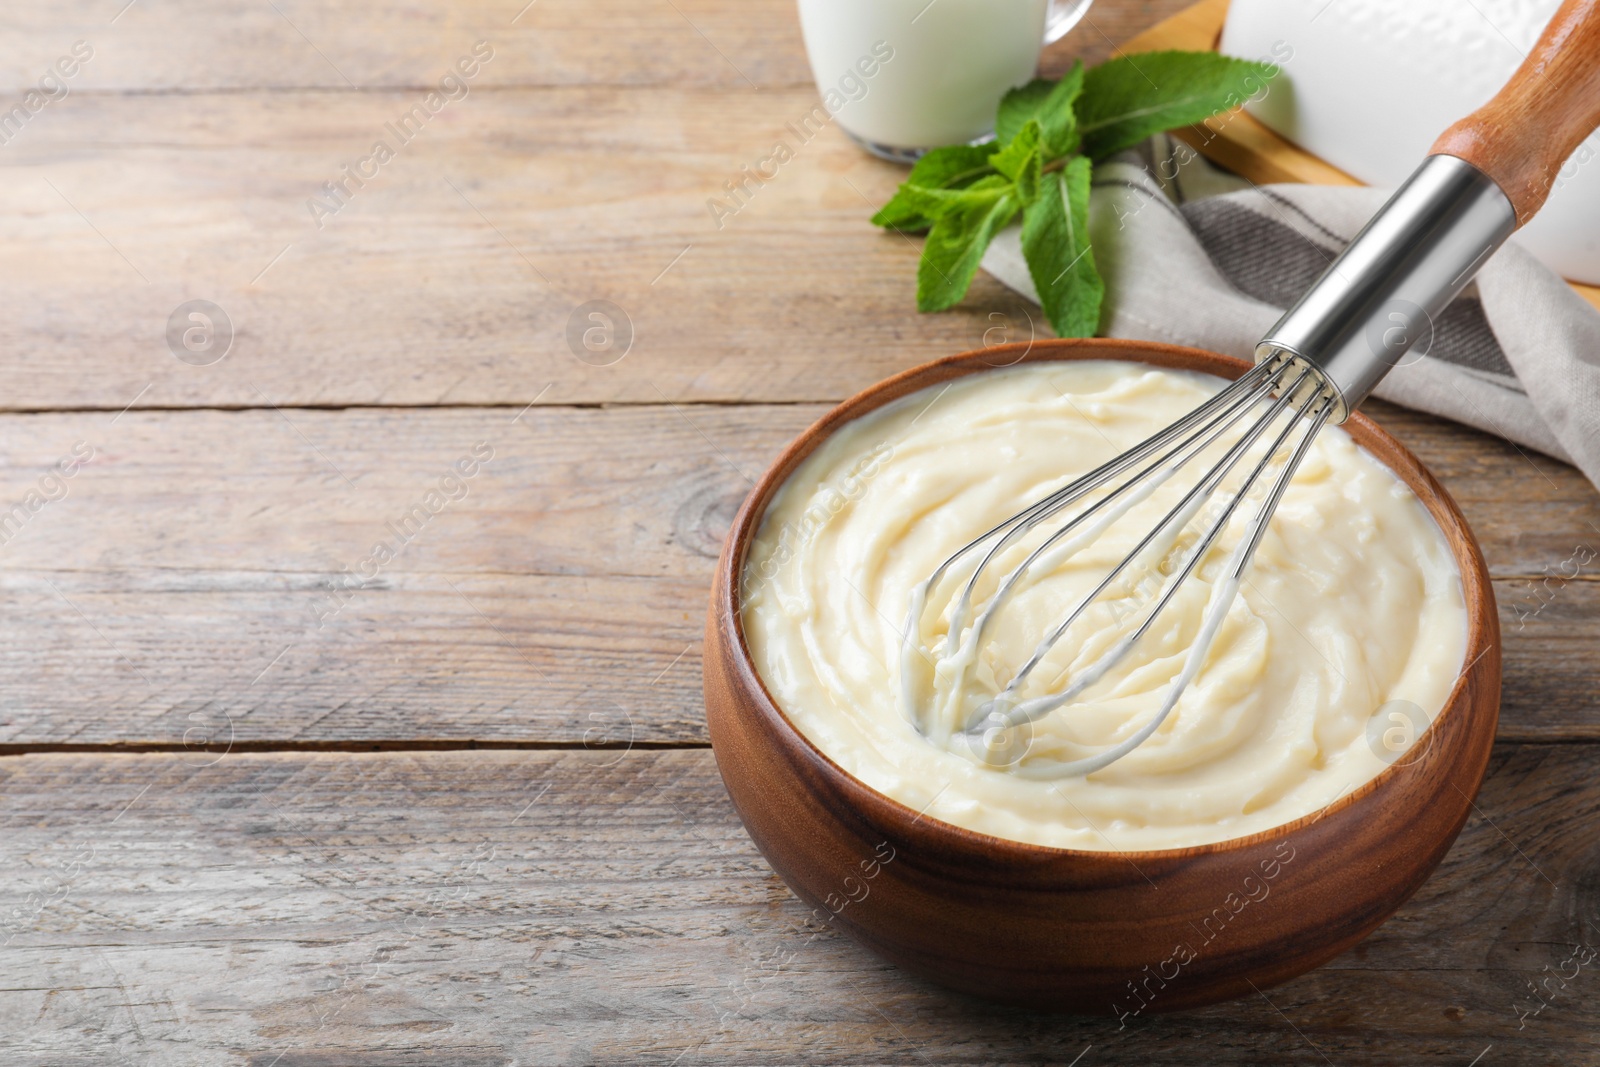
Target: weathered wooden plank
{"type": "Point", "coordinates": [492, 658]}
{"type": "Point", "coordinates": [453, 276]}
{"type": "Point", "coordinates": [291, 44]}
{"type": "Point", "coordinates": [1550, 633]}
{"type": "Point", "coordinates": [624, 491]}
{"type": "Point", "coordinates": [1531, 514]}
{"type": "Point", "coordinates": [204, 575]}
{"type": "Point", "coordinates": [382, 43]}
{"type": "Point", "coordinates": [297, 495]}
{"type": "Point", "coordinates": [455, 658]}
{"type": "Point", "coordinates": [544, 908]}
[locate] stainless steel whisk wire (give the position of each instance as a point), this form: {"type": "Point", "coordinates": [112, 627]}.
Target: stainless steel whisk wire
{"type": "Point", "coordinates": [1188, 438]}
{"type": "Point", "coordinates": [1317, 363]}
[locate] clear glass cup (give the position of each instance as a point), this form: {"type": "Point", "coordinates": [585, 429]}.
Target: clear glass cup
{"type": "Point", "coordinates": [903, 76]}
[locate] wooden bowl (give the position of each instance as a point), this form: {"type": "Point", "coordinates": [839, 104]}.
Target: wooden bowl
{"type": "Point", "coordinates": [1119, 933]}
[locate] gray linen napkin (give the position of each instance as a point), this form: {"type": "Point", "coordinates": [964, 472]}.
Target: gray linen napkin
{"type": "Point", "coordinates": [1194, 255]}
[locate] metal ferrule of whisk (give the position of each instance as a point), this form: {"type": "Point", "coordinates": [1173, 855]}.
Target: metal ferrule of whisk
{"type": "Point", "coordinates": [1380, 298]}
{"type": "Point", "coordinates": [1374, 302]}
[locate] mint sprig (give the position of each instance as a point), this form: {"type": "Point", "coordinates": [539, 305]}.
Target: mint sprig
{"type": "Point", "coordinates": [1047, 134]}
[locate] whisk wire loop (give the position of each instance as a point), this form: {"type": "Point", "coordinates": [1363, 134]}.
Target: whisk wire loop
{"type": "Point", "coordinates": [1220, 599]}
{"type": "Point", "coordinates": [1301, 392]}
{"type": "Point", "coordinates": [1173, 522]}
{"type": "Point", "coordinates": [1137, 488]}
{"type": "Point", "coordinates": [1050, 505]}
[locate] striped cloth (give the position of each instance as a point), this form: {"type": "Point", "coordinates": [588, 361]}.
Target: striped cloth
{"type": "Point", "coordinates": [1196, 256]}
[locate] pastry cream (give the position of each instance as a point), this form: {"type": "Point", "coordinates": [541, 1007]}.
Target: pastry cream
{"type": "Point", "coordinates": [1352, 608]}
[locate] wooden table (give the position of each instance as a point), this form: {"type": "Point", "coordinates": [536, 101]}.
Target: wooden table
{"type": "Point", "coordinates": [267, 800]}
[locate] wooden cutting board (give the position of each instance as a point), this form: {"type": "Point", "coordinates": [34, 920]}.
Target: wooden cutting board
{"type": "Point", "coordinates": [1236, 139]}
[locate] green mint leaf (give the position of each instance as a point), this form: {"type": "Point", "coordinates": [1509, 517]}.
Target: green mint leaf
{"type": "Point", "coordinates": [900, 213]}
{"type": "Point", "coordinates": [934, 204]}
{"type": "Point", "coordinates": [1018, 106]}
{"type": "Point", "coordinates": [1051, 103]}
{"type": "Point", "coordinates": [1126, 100]}
{"type": "Point", "coordinates": [957, 241]}
{"type": "Point", "coordinates": [1020, 161]}
{"type": "Point", "coordinates": [953, 167]}
{"type": "Point", "coordinates": [1055, 242]}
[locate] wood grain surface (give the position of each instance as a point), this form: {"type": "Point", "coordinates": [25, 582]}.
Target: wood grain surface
{"type": "Point", "coordinates": [228, 898]}
{"type": "Point", "coordinates": [195, 46]}
{"type": "Point", "coordinates": [561, 595]}
{"type": "Point", "coordinates": [452, 275]}
{"type": "Point", "coordinates": [607, 908]}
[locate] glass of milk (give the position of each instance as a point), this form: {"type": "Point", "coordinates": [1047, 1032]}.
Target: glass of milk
{"type": "Point", "coordinates": [904, 76]}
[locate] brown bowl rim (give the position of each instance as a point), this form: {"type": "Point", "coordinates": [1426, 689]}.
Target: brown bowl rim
{"type": "Point", "coordinates": [1475, 580]}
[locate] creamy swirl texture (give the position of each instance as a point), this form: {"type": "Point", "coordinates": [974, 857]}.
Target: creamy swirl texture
{"type": "Point", "coordinates": [1343, 641]}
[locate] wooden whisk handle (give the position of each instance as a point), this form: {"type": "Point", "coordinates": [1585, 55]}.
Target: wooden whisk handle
{"type": "Point", "coordinates": [1523, 136]}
